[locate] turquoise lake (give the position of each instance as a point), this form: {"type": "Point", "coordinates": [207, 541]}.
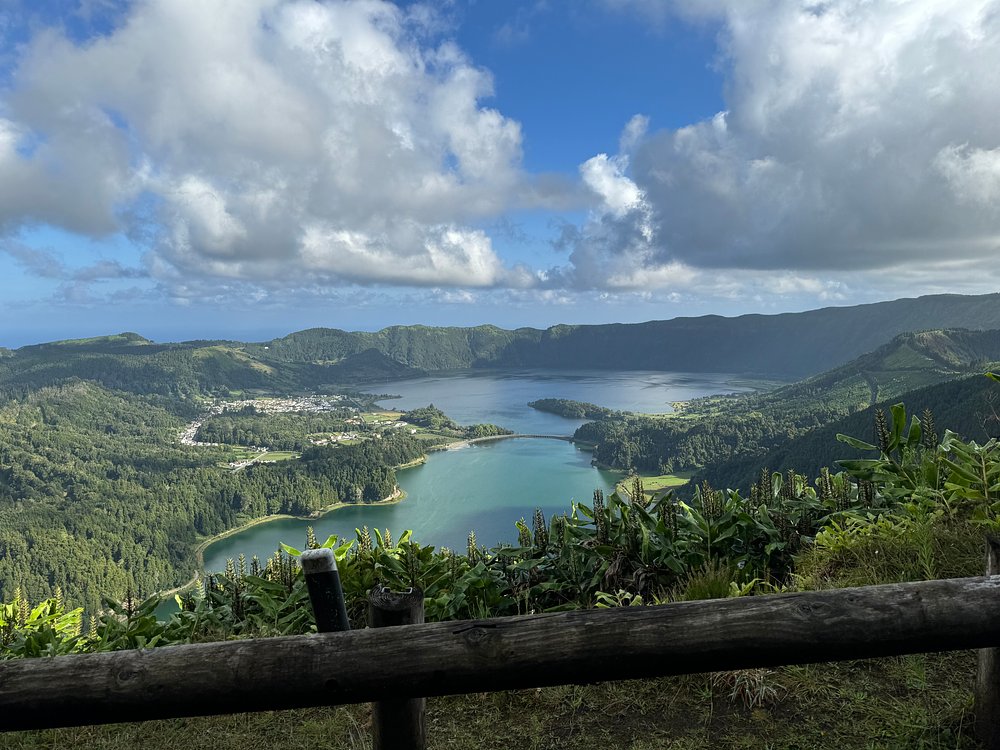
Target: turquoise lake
{"type": "Point", "coordinates": [487, 487]}
{"type": "Point", "coordinates": [484, 487]}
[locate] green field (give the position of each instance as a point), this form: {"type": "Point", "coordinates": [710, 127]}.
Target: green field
{"type": "Point", "coordinates": [238, 453]}
{"type": "Point", "coordinates": [655, 484]}
{"type": "Point", "coordinates": [274, 456]}
{"type": "Point", "coordinates": [371, 416]}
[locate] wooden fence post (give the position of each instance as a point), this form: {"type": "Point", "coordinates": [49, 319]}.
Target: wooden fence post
{"type": "Point", "coordinates": [398, 723]}
{"type": "Point", "coordinates": [988, 677]}
{"type": "Point", "coordinates": [325, 591]}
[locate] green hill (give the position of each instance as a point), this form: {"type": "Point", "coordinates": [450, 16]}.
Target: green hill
{"type": "Point", "coordinates": [128, 362]}
{"type": "Point", "coordinates": [967, 405]}
{"type": "Point", "coordinates": [791, 345]}
{"type": "Point", "coordinates": [743, 429]}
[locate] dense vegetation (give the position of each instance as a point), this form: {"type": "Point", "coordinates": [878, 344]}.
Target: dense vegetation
{"type": "Point", "coordinates": [742, 431]}
{"type": "Point", "coordinates": [85, 471]}
{"type": "Point", "coordinates": [432, 418]}
{"type": "Point", "coordinates": [969, 405]}
{"type": "Point", "coordinates": [486, 430]}
{"type": "Point", "coordinates": [565, 407]}
{"type": "Point", "coordinates": [916, 507]}
{"type": "Point", "coordinates": [924, 501]}
{"type": "Point", "coordinates": [97, 496]}
{"type": "Point", "coordinates": [323, 476]}
{"type": "Point", "coordinates": [184, 371]}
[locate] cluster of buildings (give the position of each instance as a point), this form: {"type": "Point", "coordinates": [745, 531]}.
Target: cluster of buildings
{"type": "Point", "coordinates": [278, 405]}
{"type": "Point", "coordinates": [296, 404]}
{"type": "Point", "coordinates": [264, 406]}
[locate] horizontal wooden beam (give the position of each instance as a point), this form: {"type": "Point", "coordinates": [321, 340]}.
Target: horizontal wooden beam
{"type": "Point", "coordinates": [499, 654]}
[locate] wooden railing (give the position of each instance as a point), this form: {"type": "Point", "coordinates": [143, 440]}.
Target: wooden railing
{"type": "Point", "coordinates": [447, 658]}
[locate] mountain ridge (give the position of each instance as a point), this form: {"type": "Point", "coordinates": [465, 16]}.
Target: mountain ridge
{"type": "Point", "coordinates": [787, 344]}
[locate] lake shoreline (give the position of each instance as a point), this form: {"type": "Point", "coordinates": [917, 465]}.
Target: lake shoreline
{"type": "Point", "coordinates": [497, 399]}
{"type": "Point", "coordinates": [397, 496]}
{"type": "Point", "coordinates": [456, 445]}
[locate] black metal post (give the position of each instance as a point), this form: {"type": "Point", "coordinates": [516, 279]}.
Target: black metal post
{"type": "Point", "coordinates": [325, 591]}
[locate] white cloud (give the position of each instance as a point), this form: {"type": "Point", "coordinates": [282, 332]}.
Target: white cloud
{"type": "Point", "coordinates": [857, 137]}
{"type": "Point", "coordinates": [290, 144]}
{"type": "Point", "coordinates": [441, 255]}
{"type": "Point", "coordinates": [517, 29]}
{"type": "Point", "coordinates": [973, 173]}
{"type": "Point", "coordinates": [276, 139]}
{"type": "Point", "coordinates": [635, 130]}
{"type": "Point", "coordinates": [606, 178]}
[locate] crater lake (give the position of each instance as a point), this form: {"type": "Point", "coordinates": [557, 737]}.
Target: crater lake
{"type": "Point", "coordinates": [489, 486]}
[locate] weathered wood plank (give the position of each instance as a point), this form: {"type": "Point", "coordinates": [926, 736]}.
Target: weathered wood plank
{"type": "Point", "coordinates": [504, 653]}
{"type": "Point", "coordinates": [988, 674]}
{"type": "Point", "coordinates": [398, 723]}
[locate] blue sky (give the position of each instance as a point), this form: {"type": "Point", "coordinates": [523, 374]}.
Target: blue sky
{"type": "Point", "coordinates": [193, 169]}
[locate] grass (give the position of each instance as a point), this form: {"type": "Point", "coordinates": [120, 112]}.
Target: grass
{"type": "Point", "coordinates": [274, 456]}
{"type": "Point", "coordinates": [370, 416]}
{"type": "Point", "coordinates": [654, 484]}
{"type": "Point", "coordinates": [238, 453]}
{"type": "Point", "coordinates": [907, 702]}
{"type": "Point", "coordinates": [665, 481]}
{"type": "Point", "coordinates": [431, 436]}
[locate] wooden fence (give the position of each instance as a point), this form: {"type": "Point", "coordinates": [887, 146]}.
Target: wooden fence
{"type": "Point", "coordinates": [391, 665]}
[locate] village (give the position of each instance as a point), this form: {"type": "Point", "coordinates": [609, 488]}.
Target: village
{"type": "Point", "coordinates": [263, 406]}
{"type": "Point", "coordinates": [312, 403]}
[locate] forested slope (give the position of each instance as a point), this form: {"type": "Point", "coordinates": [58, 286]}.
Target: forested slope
{"type": "Point", "coordinates": [744, 428]}
{"type": "Point", "coordinates": [791, 344]}
{"type": "Point", "coordinates": [97, 496]}
{"type": "Point", "coordinates": [969, 406]}
{"type": "Point", "coordinates": [128, 362]}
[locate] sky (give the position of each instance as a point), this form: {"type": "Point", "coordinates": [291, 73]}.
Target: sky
{"type": "Point", "coordinates": [247, 168]}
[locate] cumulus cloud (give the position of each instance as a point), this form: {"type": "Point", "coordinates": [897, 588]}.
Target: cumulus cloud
{"type": "Point", "coordinates": [281, 145]}
{"type": "Point", "coordinates": [972, 174]}
{"type": "Point", "coordinates": [605, 177]}
{"type": "Point", "coordinates": [275, 140]}
{"type": "Point", "coordinates": [615, 248]}
{"type": "Point", "coordinates": [857, 136]}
